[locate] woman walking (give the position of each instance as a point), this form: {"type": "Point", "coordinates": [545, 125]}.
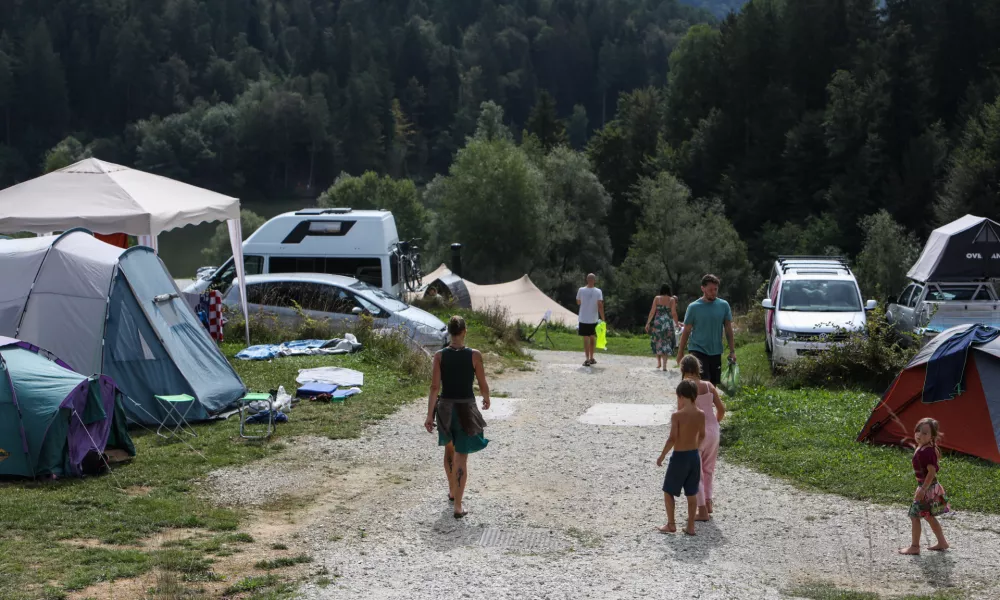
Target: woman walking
{"type": "Point", "coordinates": [459, 422]}
{"type": "Point", "coordinates": [663, 318]}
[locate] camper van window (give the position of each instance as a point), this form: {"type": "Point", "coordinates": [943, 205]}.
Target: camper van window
{"type": "Point", "coordinates": [325, 227]}
{"type": "Point", "coordinates": [368, 270]}
{"type": "Point", "coordinates": [394, 269]}
{"type": "Point", "coordinates": [317, 228]}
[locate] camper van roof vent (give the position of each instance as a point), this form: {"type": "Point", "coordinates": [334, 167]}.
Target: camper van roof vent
{"type": "Point", "coordinates": [323, 211]}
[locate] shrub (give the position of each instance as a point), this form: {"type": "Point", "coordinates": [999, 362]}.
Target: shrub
{"type": "Point", "coordinates": [869, 359]}
{"type": "Point", "coordinates": [750, 326]}
{"type": "Point", "coordinates": [498, 322]}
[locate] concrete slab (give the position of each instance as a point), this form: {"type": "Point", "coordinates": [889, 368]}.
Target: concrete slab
{"type": "Point", "coordinates": [627, 415]}
{"type": "Point", "coordinates": [501, 409]}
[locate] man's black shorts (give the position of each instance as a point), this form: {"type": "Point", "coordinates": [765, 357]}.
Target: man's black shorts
{"type": "Point", "coordinates": [711, 367]}
{"type": "Point", "coordinates": [588, 329]}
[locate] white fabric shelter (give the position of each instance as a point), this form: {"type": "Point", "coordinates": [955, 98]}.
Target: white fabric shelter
{"type": "Point", "coordinates": [521, 297]}
{"type": "Point", "coordinates": [107, 198]}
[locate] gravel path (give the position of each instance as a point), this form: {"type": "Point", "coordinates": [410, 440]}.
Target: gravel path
{"type": "Point", "coordinates": [563, 509]}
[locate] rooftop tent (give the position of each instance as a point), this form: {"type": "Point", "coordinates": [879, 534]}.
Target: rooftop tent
{"type": "Point", "coordinates": [51, 417]}
{"type": "Point", "coordinates": [107, 198]}
{"type": "Point", "coordinates": [521, 297]}
{"type": "Point", "coordinates": [955, 379]}
{"type": "Point", "coordinates": [964, 250]}
{"type": "Point", "coordinates": [116, 312]}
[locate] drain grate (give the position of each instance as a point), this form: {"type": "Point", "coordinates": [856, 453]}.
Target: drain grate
{"type": "Point", "coordinates": [520, 539]}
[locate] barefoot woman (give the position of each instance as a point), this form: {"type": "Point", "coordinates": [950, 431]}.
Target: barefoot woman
{"type": "Point", "coordinates": [460, 425]}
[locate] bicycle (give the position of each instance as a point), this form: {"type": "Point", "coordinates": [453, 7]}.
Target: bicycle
{"type": "Point", "coordinates": [408, 256]}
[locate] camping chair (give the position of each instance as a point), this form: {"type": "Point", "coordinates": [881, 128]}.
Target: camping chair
{"type": "Point", "coordinates": [545, 321]}
{"type": "Point", "coordinates": [244, 406]}
{"type": "Point", "coordinates": [173, 406]}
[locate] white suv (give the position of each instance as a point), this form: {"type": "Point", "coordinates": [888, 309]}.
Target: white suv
{"type": "Point", "coordinates": [812, 303]}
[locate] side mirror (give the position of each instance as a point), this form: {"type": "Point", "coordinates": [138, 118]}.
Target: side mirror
{"type": "Point", "coordinates": [767, 304]}
{"type": "Point", "coordinates": [871, 305]}
{"type": "Point", "coordinates": [357, 310]}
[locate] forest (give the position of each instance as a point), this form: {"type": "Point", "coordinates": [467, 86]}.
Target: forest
{"type": "Point", "coordinates": [646, 140]}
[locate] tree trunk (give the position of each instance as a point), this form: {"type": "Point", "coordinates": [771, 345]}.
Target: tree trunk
{"type": "Point", "coordinates": [312, 163]}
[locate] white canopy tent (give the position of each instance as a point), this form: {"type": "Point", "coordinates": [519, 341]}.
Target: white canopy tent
{"type": "Point", "coordinates": [521, 297]}
{"type": "Point", "coordinates": [107, 198]}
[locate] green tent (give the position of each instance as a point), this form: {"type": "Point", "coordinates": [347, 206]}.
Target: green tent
{"type": "Point", "coordinates": [53, 419]}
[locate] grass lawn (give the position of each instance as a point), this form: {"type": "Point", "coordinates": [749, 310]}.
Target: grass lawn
{"type": "Point", "coordinates": [808, 436]}
{"type": "Point", "coordinates": [49, 528]}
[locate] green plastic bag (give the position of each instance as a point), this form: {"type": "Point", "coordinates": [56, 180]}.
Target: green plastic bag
{"type": "Point", "coordinates": [731, 379]}
{"type": "Point", "coordinates": [602, 335]}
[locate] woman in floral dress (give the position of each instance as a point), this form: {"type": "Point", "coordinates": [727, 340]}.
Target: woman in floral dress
{"type": "Point", "coordinates": [660, 325]}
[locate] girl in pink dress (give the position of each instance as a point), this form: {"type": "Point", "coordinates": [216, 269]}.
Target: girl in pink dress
{"type": "Point", "coordinates": [711, 404]}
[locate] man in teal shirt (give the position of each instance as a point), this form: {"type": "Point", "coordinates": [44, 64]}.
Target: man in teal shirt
{"type": "Point", "coordinates": [704, 322]}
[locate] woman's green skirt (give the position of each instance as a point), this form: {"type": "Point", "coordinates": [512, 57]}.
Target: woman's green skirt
{"type": "Point", "coordinates": [464, 443]}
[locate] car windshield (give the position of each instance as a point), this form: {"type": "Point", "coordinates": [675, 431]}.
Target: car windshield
{"type": "Point", "coordinates": [820, 295]}
{"type": "Point", "coordinates": [378, 295]}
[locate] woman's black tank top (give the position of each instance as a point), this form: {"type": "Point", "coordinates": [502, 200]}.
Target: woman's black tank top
{"type": "Point", "coordinates": [457, 374]}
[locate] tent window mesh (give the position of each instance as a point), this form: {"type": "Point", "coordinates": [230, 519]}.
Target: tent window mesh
{"type": "Point", "coordinates": [987, 235]}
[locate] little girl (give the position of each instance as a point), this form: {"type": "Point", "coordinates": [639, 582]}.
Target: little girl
{"type": "Point", "coordinates": [710, 403]}
{"type": "Point", "coordinates": [929, 500]}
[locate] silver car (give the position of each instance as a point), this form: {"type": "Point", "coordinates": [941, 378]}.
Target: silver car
{"type": "Point", "coordinates": [340, 300]}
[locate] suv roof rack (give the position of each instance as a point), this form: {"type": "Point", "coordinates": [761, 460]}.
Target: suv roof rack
{"type": "Point", "coordinates": [323, 211]}
{"type": "Point", "coordinates": [791, 262]}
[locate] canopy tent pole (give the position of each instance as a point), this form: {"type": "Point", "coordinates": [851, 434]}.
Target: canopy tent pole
{"type": "Point", "coordinates": [236, 240]}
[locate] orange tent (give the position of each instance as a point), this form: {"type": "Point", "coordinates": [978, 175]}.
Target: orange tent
{"type": "Point", "coordinates": [970, 421]}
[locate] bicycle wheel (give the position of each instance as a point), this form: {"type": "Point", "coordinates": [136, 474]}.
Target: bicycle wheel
{"type": "Point", "coordinates": [418, 273]}
{"type": "Point", "coordinates": [408, 276]}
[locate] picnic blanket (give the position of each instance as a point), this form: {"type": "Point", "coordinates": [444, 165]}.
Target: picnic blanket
{"type": "Point", "coordinates": [344, 345]}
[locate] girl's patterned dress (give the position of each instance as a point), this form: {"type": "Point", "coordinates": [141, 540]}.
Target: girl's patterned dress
{"type": "Point", "coordinates": [662, 338]}
{"type": "Point", "coordinates": [935, 501]}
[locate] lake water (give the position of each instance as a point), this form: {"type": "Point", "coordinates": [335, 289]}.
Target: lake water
{"type": "Point", "coordinates": [181, 248]}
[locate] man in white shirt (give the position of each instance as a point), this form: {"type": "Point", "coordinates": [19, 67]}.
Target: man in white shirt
{"type": "Point", "coordinates": [591, 302]}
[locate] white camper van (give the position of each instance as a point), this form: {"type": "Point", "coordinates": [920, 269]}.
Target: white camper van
{"type": "Point", "coordinates": [362, 244]}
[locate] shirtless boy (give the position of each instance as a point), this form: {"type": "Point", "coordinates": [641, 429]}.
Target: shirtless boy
{"type": "Point", "coordinates": [687, 429]}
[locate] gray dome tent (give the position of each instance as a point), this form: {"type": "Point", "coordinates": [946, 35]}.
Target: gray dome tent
{"type": "Point", "coordinates": [967, 249]}
{"type": "Point", "coordinates": [104, 310]}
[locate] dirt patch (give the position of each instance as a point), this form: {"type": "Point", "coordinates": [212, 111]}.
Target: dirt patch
{"type": "Point", "coordinates": [139, 491]}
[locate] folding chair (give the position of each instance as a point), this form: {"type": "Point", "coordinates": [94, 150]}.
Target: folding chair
{"type": "Point", "coordinates": [173, 405]}
{"type": "Point", "coordinates": [244, 406]}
